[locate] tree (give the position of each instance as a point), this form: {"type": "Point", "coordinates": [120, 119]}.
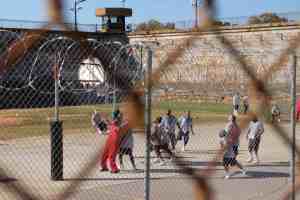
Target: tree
{"type": "Point", "coordinates": [154, 25]}
{"type": "Point", "coordinates": [220, 23]}
{"type": "Point", "coordinates": [266, 18]}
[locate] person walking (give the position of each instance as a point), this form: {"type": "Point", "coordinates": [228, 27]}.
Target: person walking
{"type": "Point", "coordinates": [254, 133]}
{"type": "Point", "coordinates": [230, 143]}
{"type": "Point", "coordinates": [169, 123]}
{"type": "Point", "coordinates": [233, 133]}
{"type": "Point", "coordinates": [246, 104]}
{"type": "Point", "coordinates": [236, 103]}
{"type": "Point", "coordinates": [185, 127]}
{"type": "Point", "coordinates": [160, 140]}
{"type": "Point", "coordinates": [126, 148]}
{"type": "Point", "coordinates": [275, 112]}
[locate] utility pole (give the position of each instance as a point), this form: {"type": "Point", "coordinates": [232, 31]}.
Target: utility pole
{"type": "Point", "coordinates": [75, 9]}
{"type": "Point", "coordinates": [196, 5]}
{"type": "Point", "coordinates": [123, 3]}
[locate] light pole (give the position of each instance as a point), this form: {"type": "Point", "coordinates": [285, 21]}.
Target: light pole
{"type": "Point", "coordinates": [75, 9]}
{"type": "Point", "coordinates": [123, 3]}
{"type": "Point", "coordinates": [196, 5]}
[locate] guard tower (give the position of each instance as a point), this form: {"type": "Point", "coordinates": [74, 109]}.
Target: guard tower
{"type": "Point", "coordinates": [113, 19]}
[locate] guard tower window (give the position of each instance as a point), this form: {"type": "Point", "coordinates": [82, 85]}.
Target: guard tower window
{"type": "Point", "coordinates": [113, 19]}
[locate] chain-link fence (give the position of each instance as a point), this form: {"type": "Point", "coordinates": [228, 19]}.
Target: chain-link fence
{"type": "Point", "coordinates": [203, 81]}
{"type": "Point", "coordinates": [66, 77]}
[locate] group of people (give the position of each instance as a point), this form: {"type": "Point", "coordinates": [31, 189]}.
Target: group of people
{"type": "Point", "coordinates": [236, 102]}
{"type": "Point", "coordinates": [230, 140]}
{"type": "Point", "coordinates": [120, 139]}
{"type": "Point", "coordinates": [230, 137]}
{"type": "Point", "coordinates": [163, 133]}
{"type": "Point", "coordinates": [275, 110]}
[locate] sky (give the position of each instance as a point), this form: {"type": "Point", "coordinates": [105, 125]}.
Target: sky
{"type": "Point", "coordinates": [143, 10]}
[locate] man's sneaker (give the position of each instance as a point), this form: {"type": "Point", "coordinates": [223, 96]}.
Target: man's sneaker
{"type": "Point", "coordinates": [157, 160]}
{"type": "Point", "coordinates": [250, 160]}
{"type": "Point", "coordinates": [227, 176]}
{"type": "Point", "coordinates": [103, 169]}
{"type": "Point", "coordinates": [115, 172]}
{"type": "Point", "coordinates": [183, 149]}
{"type": "Point", "coordinates": [256, 162]}
{"type": "Point", "coordinates": [244, 172]}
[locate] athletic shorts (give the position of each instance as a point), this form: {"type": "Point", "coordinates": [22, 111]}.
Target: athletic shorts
{"type": "Point", "coordinates": [236, 107]}
{"type": "Point", "coordinates": [229, 161]}
{"type": "Point", "coordinates": [253, 144]}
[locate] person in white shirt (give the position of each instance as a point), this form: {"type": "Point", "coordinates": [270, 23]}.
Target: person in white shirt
{"type": "Point", "coordinates": [236, 103]}
{"type": "Point", "coordinates": [254, 133]}
{"type": "Point", "coordinates": [185, 127]}
{"type": "Point", "coordinates": [169, 123]}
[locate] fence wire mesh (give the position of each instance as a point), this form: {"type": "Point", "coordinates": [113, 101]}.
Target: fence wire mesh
{"type": "Point", "coordinates": [200, 74]}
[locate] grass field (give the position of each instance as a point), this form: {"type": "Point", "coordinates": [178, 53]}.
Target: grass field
{"type": "Point", "coordinates": [19, 123]}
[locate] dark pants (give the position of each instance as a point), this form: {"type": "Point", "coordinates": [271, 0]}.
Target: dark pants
{"type": "Point", "coordinates": [128, 152]}
{"type": "Point", "coordinates": [253, 145]}
{"type": "Point", "coordinates": [185, 137]}
{"type": "Point", "coordinates": [236, 107]}
{"type": "Point", "coordinates": [164, 147]}
{"type": "Point", "coordinates": [246, 107]}
{"type": "Point", "coordinates": [277, 116]}
{"type": "Point", "coordinates": [173, 139]}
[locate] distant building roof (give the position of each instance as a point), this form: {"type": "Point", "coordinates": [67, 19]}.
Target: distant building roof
{"type": "Point", "coordinates": [127, 12]}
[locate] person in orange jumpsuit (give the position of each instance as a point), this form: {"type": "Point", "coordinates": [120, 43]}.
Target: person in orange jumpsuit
{"type": "Point", "coordinates": [298, 109]}
{"type": "Point", "coordinates": [111, 148]}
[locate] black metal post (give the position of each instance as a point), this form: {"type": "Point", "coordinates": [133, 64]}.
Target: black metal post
{"type": "Point", "coordinates": [75, 15]}
{"type": "Point", "coordinates": [56, 134]}
{"type": "Point", "coordinates": [56, 150]}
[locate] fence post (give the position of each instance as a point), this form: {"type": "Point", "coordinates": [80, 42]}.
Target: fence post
{"type": "Point", "coordinates": [148, 86]}
{"type": "Point", "coordinates": [293, 125]}
{"type": "Point", "coordinates": [56, 135]}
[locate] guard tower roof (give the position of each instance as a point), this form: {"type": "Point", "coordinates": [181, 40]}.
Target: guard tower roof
{"type": "Point", "coordinates": [126, 12]}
